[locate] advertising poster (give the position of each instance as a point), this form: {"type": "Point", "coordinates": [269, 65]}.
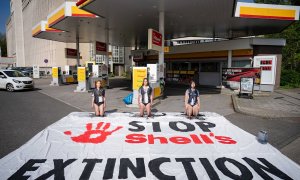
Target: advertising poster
{"type": "Point", "coordinates": [81, 74]}
{"type": "Point", "coordinates": [139, 73]}
{"type": "Point", "coordinates": [235, 74]}
{"type": "Point", "coordinates": [125, 146]}
{"type": "Point", "coordinates": [54, 72]}
{"type": "Point", "coordinates": [247, 85]}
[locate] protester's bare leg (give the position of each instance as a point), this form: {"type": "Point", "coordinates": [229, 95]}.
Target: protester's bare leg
{"type": "Point", "coordinates": [142, 109]}
{"type": "Point", "coordinates": [196, 110]}
{"type": "Point", "coordinates": [148, 109]}
{"type": "Point", "coordinates": [97, 113]}
{"type": "Point", "coordinates": [101, 109]}
{"type": "Point", "coordinates": [189, 110]}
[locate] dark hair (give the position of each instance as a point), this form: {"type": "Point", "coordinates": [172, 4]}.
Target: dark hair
{"type": "Point", "coordinates": [147, 82]}
{"type": "Point", "coordinates": [97, 82]}
{"type": "Point", "coordinates": [192, 81]}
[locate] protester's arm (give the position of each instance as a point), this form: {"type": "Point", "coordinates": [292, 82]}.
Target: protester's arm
{"type": "Point", "coordinates": [151, 98]}
{"type": "Point", "coordinates": [93, 101]}
{"type": "Point", "coordinates": [186, 98]}
{"type": "Point", "coordinates": [198, 99]}
{"type": "Point", "coordinates": [139, 96]}
{"type": "Point", "coordinates": [104, 99]}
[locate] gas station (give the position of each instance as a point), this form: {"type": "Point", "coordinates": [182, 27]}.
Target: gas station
{"type": "Point", "coordinates": [125, 145]}
{"type": "Point", "coordinates": [150, 26]}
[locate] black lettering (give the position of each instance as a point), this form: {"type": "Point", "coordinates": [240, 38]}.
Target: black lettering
{"type": "Point", "coordinates": [174, 126]}
{"type": "Point", "coordinates": [212, 174]}
{"type": "Point", "coordinates": [109, 168]}
{"type": "Point", "coordinates": [58, 171]}
{"type": "Point", "coordinates": [245, 172]}
{"type": "Point", "coordinates": [187, 164]}
{"type": "Point", "coordinates": [260, 169]}
{"type": "Point", "coordinates": [89, 167]}
{"type": "Point", "coordinates": [156, 127]}
{"type": "Point", "coordinates": [28, 166]}
{"type": "Point", "coordinates": [205, 126]}
{"type": "Point", "coordinates": [154, 165]}
{"type": "Point", "coordinates": [139, 170]}
{"type": "Point", "coordinates": [138, 127]}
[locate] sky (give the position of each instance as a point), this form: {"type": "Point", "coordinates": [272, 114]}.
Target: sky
{"type": "Point", "coordinates": [4, 14]}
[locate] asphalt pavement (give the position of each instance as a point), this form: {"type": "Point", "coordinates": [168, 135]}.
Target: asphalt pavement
{"type": "Point", "coordinates": [25, 113]}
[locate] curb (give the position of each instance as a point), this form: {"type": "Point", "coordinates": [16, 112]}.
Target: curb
{"type": "Point", "coordinates": [238, 109]}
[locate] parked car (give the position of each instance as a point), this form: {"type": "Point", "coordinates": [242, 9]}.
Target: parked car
{"type": "Point", "coordinates": [27, 71]}
{"type": "Point", "coordinates": [12, 80]}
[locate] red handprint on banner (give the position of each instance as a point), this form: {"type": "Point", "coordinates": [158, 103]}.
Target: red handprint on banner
{"type": "Point", "coordinates": [96, 135]}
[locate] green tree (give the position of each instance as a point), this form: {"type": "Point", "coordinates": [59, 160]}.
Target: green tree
{"type": "Point", "coordinates": [3, 45]}
{"type": "Point", "coordinates": [291, 52]}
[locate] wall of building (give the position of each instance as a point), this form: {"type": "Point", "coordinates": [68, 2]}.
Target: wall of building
{"type": "Point", "coordinates": [31, 51]}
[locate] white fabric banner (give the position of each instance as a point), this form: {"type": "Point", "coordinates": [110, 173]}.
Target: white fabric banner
{"type": "Point", "coordinates": [124, 146]}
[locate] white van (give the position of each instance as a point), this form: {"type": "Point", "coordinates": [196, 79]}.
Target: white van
{"type": "Point", "coordinates": [12, 80]}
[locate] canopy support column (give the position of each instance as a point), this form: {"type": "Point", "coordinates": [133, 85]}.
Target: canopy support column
{"type": "Point", "coordinates": [77, 48]}
{"type": "Point", "coordinates": [161, 54]}
{"type": "Point", "coordinates": [229, 59]}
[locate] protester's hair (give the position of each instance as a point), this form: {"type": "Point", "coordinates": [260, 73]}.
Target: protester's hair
{"type": "Point", "coordinates": [147, 82]}
{"type": "Point", "coordinates": [97, 82]}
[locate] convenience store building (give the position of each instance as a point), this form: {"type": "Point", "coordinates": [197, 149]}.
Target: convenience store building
{"type": "Point", "coordinates": [207, 59]}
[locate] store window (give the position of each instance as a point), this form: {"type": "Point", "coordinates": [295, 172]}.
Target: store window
{"type": "Point", "coordinates": [210, 67]}
{"type": "Point", "coordinates": [244, 64]}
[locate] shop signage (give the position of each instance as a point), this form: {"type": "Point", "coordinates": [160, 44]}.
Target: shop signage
{"type": "Point", "coordinates": [101, 47]}
{"type": "Point", "coordinates": [268, 68]}
{"type": "Point", "coordinates": [125, 146]}
{"type": "Point", "coordinates": [155, 40]}
{"type": "Point", "coordinates": [71, 53]}
{"type": "Point", "coordinates": [138, 56]}
{"type": "Point", "coordinates": [81, 74]}
{"type": "Point", "coordinates": [138, 73]}
{"type": "Point", "coordinates": [54, 72]}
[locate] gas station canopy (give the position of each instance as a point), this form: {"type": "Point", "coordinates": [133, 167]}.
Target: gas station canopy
{"type": "Point", "coordinates": [68, 21]}
{"type": "Point", "coordinates": [129, 20]}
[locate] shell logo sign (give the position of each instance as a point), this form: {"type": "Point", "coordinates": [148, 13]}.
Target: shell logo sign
{"type": "Point", "coordinates": [155, 40]}
{"type": "Point", "coordinates": [267, 11]}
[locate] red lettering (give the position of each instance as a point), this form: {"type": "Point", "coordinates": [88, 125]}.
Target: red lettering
{"type": "Point", "coordinates": [225, 140]}
{"type": "Point", "coordinates": [206, 139]}
{"type": "Point", "coordinates": [162, 140]}
{"type": "Point", "coordinates": [180, 140]}
{"type": "Point", "coordinates": [135, 138]}
{"type": "Point", "coordinates": [196, 139]}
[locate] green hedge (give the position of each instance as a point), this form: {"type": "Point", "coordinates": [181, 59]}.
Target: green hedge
{"type": "Point", "coordinates": [290, 78]}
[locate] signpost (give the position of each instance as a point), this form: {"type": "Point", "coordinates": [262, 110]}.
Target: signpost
{"type": "Point", "coordinates": [138, 75]}
{"type": "Point", "coordinates": [36, 72]}
{"type": "Point", "coordinates": [246, 87]}
{"type": "Point", "coordinates": [54, 81]}
{"type": "Point", "coordinates": [81, 77]}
